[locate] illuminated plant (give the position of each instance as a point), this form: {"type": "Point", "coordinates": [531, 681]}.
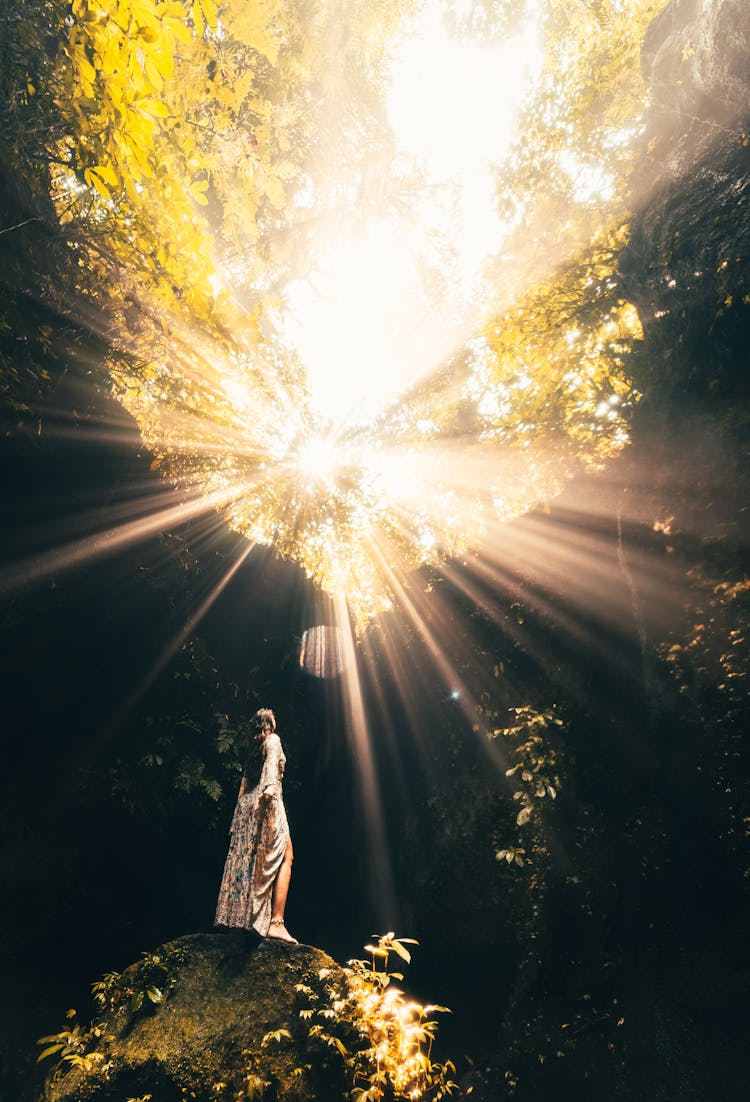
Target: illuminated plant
{"type": "Point", "coordinates": [382, 1039]}
{"type": "Point", "coordinates": [528, 744]}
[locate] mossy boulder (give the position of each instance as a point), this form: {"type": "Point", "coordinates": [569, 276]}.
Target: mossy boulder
{"type": "Point", "coordinates": [199, 1019]}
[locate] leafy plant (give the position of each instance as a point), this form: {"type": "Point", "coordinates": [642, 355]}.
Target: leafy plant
{"type": "Point", "coordinates": [75, 1047]}
{"type": "Point", "coordinates": [535, 762]}
{"type": "Point", "coordinates": [380, 1038]}
{"type": "Point", "coordinates": [144, 984]}
{"type": "Point", "coordinates": [150, 981]}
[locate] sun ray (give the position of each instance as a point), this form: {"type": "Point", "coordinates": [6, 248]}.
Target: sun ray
{"type": "Point", "coordinates": [388, 359]}
{"type": "Point", "coordinates": [358, 729]}
{"type": "Point", "coordinates": [126, 705]}
{"type": "Point", "coordinates": [109, 540]}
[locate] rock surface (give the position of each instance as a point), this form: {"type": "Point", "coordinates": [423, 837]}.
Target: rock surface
{"type": "Point", "coordinates": [686, 267]}
{"type": "Point", "coordinates": [223, 995]}
{"type": "Point", "coordinates": [696, 63]}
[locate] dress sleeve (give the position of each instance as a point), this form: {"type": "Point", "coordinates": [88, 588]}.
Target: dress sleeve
{"type": "Point", "coordinates": [273, 767]}
{"type": "Point", "coordinates": [238, 805]}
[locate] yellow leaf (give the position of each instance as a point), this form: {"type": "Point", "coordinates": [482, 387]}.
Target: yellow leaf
{"type": "Point", "coordinates": [198, 18]}
{"type": "Point", "coordinates": [164, 59]}
{"type": "Point", "coordinates": [137, 81]}
{"type": "Point", "coordinates": [85, 68]}
{"type": "Point", "coordinates": [155, 107]}
{"type": "Point", "coordinates": [110, 56]}
{"type": "Point", "coordinates": [210, 13]}
{"type": "Point", "coordinates": [137, 163]}
{"type": "Point", "coordinates": [181, 31]}
{"type": "Point", "coordinates": [91, 177]}
{"type": "Point", "coordinates": [107, 173]}
{"type": "Point", "coordinates": [153, 74]}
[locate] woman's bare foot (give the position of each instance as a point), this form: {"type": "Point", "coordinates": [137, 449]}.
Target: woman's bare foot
{"type": "Point", "coordinates": [278, 932]}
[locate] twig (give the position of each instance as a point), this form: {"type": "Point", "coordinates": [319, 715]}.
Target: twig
{"type": "Point", "coordinates": [19, 225]}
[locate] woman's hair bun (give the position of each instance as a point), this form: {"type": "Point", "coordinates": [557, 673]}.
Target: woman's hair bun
{"type": "Point", "coordinates": [263, 722]}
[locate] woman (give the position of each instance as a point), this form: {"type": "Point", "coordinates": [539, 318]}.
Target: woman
{"type": "Point", "coordinates": [256, 876]}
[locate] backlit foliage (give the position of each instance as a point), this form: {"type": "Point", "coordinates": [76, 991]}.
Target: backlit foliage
{"type": "Point", "coordinates": [570, 171]}
{"type": "Point", "coordinates": [382, 1039]}
{"type": "Point", "coordinates": [200, 156]}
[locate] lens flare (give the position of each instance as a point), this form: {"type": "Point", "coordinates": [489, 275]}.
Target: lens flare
{"type": "Point", "coordinates": [322, 651]}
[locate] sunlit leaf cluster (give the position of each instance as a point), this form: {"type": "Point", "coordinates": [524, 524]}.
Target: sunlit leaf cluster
{"type": "Point", "coordinates": [382, 1039]}
{"type": "Point", "coordinates": [568, 178]}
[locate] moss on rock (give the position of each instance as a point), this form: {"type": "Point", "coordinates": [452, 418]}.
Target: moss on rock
{"type": "Point", "coordinates": [214, 1034]}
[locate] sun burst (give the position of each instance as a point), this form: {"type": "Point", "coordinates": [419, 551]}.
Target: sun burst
{"type": "Point", "coordinates": [386, 414]}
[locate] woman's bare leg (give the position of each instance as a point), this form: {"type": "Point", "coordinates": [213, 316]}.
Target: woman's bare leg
{"type": "Point", "coordinates": [280, 892]}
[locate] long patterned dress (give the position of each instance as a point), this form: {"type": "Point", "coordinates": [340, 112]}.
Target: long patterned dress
{"type": "Point", "coordinates": [258, 838]}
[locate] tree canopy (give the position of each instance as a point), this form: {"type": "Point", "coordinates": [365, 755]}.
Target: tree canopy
{"type": "Point", "coordinates": [201, 158]}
